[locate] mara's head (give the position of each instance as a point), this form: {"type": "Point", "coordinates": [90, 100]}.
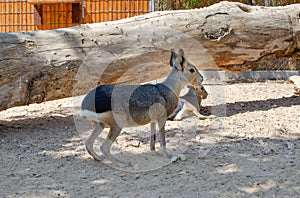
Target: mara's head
{"type": "Point", "coordinates": [185, 67]}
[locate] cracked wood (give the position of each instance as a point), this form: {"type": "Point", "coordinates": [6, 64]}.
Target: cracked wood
{"type": "Point", "coordinates": [47, 65]}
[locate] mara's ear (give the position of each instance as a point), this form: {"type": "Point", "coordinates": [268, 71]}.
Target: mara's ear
{"type": "Point", "coordinates": [181, 59]}
{"type": "Point", "coordinates": [173, 58]}
{"type": "Point", "coordinates": [181, 52]}
{"type": "Point", "coordinates": [177, 60]}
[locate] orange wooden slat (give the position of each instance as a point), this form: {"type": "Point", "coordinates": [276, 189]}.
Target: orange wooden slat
{"type": "Point", "coordinates": [23, 16]}
{"type": "Point", "coordinates": [69, 15]}
{"type": "Point", "coordinates": [46, 16]}
{"type": "Point", "coordinates": [2, 17]}
{"type": "Point", "coordinates": [98, 11]}
{"type": "Point", "coordinates": [29, 24]}
{"type": "Point", "coordinates": [52, 16]}
{"type": "Point", "coordinates": [14, 18]}
{"type": "Point", "coordinates": [26, 17]}
{"type": "Point", "coordinates": [104, 13]}
{"type": "Point", "coordinates": [118, 9]}
{"type": "Point", "coordinates": [123, 8]}
{"type": "Point", "coordinates": [93, 10]}
{"type": "Point", "coordinates": [101, 7]}
{"type": "Point", "coordinates": [89, 18]}
{"type": "Point", "coordinates": [65, 15]}
{"type": "Point", "coordinates": [17, 17]}
{"type": "Point", "coordinates": [110, 9]}
{"type": "Point", "coordinates": [52, 1]}
{"type": "Point", "coordinates": [7, 21]}
{"type": "Point", "coordinates": [9, 18]}
{"type": "Point", "coordinates": [33, 26]}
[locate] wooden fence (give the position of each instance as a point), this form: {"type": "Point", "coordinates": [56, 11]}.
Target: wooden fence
{"type": "Point", "coordinates": [27, 15]}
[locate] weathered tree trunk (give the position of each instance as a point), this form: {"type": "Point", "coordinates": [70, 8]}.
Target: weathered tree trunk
{"type": "Point", "coordinates": [46, 65]}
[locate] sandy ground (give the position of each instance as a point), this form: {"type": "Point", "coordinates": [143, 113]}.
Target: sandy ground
{"type": "Point", "coordinates": [249, 148]}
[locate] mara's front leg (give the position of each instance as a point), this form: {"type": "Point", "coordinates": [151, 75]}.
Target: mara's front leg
{"type": "Point", "coordinates": [199, 116]}
{"type": "Point", "coordinates": [163, 149]}
{"type": "Point", "coordinates": [152, 136]}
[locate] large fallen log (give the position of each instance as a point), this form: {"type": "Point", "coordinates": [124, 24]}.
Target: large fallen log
{"type": "Point", "coordinates": [46, 65]}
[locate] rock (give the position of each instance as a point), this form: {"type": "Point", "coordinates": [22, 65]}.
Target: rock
{"type": "Point", "coordinates": [242, 135]}
{"type": "Point", "coordinates": [267, 151]}
{"type": "Point", "coordinates": [202, 155]}
{"type": "Point", "coordinates": [290, 145]}
{"type": "Point", "coordinates": [261, 142]}
{"type": "Point", "coordinates": [137, 176]}
{"type": "Point", "coordinates": [286, 156]}
{"type": "Point", "coordinates": [198, 137]}
{"type": "Point", "coordinates": [174, 159]}
{"type": "Point", "coordinates": [10, 175]}
{"type": "Point", "coordinates": [136, 167]}
{"type": "Point", "coordinates": [135, 143]}
{"type": "Point", "coordinates": [182, 157]}
{"type": "Point", "coordinates": [35, 175]}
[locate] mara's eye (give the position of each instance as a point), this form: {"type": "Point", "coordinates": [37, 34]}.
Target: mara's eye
{"type": "Point", "coordinates": [192, 70]}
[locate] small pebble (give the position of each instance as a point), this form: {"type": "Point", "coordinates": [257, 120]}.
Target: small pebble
{"type": "Point", "coordinates": [134, 143]}
{"type": "Point", "coordinates": [36, 175]}
{"type": "Point", "coordinates": [174, 158]}
{"type": "Point", "coordinates": [261, 142]}
{"type": "Point", "coordinates": [182, 157]}
{"type": "Point", "coordinates": [10, 175]}
{"type": "Point", "coordinates": [198, 137]}
{"type": "Point", "coordinates": [136, 167]}
{"type": "Point", "coordinates": [290, 145]}
{"type": "Point", "coordinates": [267, 151]}
{"type": "Point", "coordinates": [290, 153]}
{"type": "Point", "coordinates": [242, 135]}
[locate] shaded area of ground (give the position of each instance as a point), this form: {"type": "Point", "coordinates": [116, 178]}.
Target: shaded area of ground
{"type": "Point", "coordinates": [253, 152]}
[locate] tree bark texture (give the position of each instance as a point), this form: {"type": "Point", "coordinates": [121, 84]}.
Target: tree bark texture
{"type": "Point", "coordinates": [46, 65]}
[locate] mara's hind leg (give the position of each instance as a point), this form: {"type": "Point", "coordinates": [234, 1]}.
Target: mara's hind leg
{"type": "Point", "coordinates": [105, 148]}
{"type": "Point", "coordinates": [89, 144]}
{"type": "Point", "coordinates": [181, 113]}
{"type": "Point", "coordinates": [152, 136]}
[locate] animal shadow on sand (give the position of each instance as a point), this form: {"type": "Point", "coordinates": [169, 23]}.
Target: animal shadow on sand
{"type": "Point", "coordinates": [230, 109]}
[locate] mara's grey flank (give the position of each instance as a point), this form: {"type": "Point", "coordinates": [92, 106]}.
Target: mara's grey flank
{"type": "Point", "coordinates": [120, 105]}
{"type": "Point", "coordinates": [190, 102]}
